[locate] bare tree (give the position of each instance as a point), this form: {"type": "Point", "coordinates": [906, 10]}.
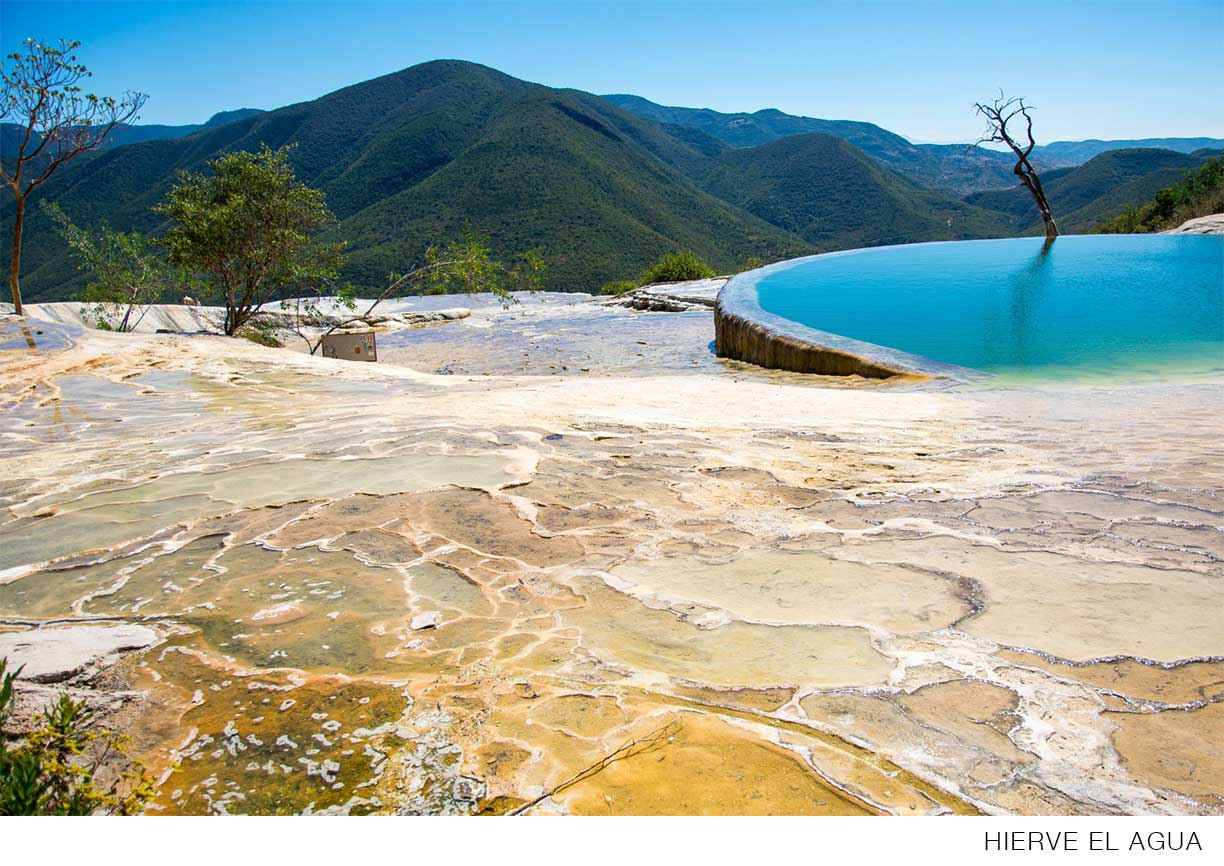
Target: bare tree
{"type": "Point", "coordinates": [998, 114]}
{"type": "Point", "coordinates": [41, 94]}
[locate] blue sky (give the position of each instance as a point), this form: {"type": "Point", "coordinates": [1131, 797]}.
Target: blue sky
{"type": "Point", "coordinates": [1123, 69]}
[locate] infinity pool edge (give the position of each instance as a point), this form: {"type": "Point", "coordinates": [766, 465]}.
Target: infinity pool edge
{"type": "Point", "coordinates": [744, 331]}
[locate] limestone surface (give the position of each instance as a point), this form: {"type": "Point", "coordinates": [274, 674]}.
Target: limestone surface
{"type": "Point", "coordinates": [1212, 224]}
{"type": "Point", "coordinates": [56, 653]}
{"type": "Point", "coordinates": [668, 583]}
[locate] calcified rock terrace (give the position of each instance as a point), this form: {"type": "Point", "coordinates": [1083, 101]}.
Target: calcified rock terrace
{"type": "Point", "coordinates": [302, 585]}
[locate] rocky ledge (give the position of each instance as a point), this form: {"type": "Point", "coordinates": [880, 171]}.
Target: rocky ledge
{"type": "Point", "coordinates": [59, 652]}
{"type": "Point", "coordinates": [1212, 224]}
{"type": "Point", "coordinates": [684, 297]}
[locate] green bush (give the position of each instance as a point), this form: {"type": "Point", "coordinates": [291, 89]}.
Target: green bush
{"type": "Point", "coordinates": [1198, 194]}
{"type": "Point", "coordinates": [50, 770]}
{"type": "Point", "coordinates": [675, 268]}
{"type": "Point", "coordinates": [261, 336]}
{"type": "Point", "coordinates": [752, 263]}
{"type": "Point", "coordinates": [126, 274]}
{"type": "Point", "coordinates": [618, 287]}
{"type": "Point", "coordinates": [262, 330]}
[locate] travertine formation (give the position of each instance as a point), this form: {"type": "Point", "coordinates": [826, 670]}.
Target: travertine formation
{"type": "Point", "coordinates": [1212, 224]}
{"type": "Point", "coordinates": [679, 297]}
{"type": "Point", "coordinates": [746, 338]}
{"type": "Point", "coordinates": [363, 588]}
{"type": "Point", "coordinates": [744, 331]}
{"type": "Point", "coordinates": [182, 319]}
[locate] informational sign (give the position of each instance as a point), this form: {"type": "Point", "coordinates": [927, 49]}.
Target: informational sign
{"type": "Point", "coordinates": [351, 346]}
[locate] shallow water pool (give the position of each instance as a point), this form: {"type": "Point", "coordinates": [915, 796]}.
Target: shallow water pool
{"type": "Point", "coordinates": [1084, 304]}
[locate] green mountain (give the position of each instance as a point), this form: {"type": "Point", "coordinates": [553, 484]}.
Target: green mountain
{"type": "Point", "coordinates": [411, 158]}
{"type": "Point", "coordinates": [1084, 196]}
{"type": "Point", "coordinates": [835, 196]}
{"type": "Point", "coordinates": [131, 133]}
{"type": "Point", "coordinates": [954, 168]}
{"type": "Point", "coordinates": [748, 130]}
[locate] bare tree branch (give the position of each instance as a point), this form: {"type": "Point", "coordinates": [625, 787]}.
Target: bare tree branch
{"type": "Point", "coordinates": [998, 114]}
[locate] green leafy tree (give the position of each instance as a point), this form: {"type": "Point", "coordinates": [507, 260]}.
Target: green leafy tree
{"type": "Point", "coordinates": [675, 268]}
{"type": "Point", "coordinates": [462, 265]}
{"type": "Point", "coordinates": [52, 769]}
{"type": "Point", "coordinates": [251, 229]}
{"type": "Point", "coordinates": [127, 276]}
{"type": "Point", "coordinates": [40, 92]}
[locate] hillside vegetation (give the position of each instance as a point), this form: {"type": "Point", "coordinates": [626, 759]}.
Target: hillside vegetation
{"type": "Point", "coordinates": [599, 190]}
{"type": "Point", "coordinates": [1197, 194]}
{"type": "Point", "coordinates": [953, 168]}
{"type": "Point", "coordinates": [1084, 196]}
{"type": "Point", "coordinates": [834, 196]}
{"type": "Point", "coordinates": [414, 157]}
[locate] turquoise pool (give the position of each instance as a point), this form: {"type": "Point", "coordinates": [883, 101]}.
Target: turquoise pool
{"type": "Point", "coordinates": [1086, 304]}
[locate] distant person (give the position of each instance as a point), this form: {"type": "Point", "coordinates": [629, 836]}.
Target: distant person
{"type": "Point", "coordinates": [189, 301]}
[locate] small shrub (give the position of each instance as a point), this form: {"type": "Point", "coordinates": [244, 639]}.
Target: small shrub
{"type": "Point", "coordinates": [618, 287]}
{"type": "Point", "coordinates": [261, 329]}
{"type": "Point", "coordinates": [51, 769]}
{"type": "Point", "coordinates": [675, 268]}
{"type": "Point", "coordinates": [262, 336]}
{"type": "Point", "coordinates": [752, 263]}
{"type": "Point", "coordinates": [126, 274]}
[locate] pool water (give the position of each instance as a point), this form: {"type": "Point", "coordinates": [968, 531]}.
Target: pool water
{"type": "Point", "coordinates": [1083, 304]}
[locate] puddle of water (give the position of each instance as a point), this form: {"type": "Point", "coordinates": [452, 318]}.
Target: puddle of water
{"type": "Point", "coordinates": [655, 642]}
{"type": "Point", "coordinates": [103, 519]}
{"type": "Point", "coordinates": [804, 588]}
{"type": "Point", "coordinates": [17, 335]}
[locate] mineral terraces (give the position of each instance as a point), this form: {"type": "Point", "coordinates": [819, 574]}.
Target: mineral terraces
{"type": "Point", "coordinates": [677, 586]}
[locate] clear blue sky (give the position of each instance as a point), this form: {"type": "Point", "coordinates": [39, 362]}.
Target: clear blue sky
{"type": "Point", "coordinates": [1120, 69]}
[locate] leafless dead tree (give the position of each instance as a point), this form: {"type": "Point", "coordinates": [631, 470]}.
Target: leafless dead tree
{"type": "Point", "coordinates": [998, 114]}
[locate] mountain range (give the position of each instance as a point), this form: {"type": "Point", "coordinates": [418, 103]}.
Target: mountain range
{"type": "Point", "coordinates": [956, 167]}
{"type": "Point", "coordinates": [131, 133]}
{"type": "Point", "coordinates": [1061, 153]}
{"type": "Point", "coordinates": [834, 196]}
{"type": "Point", "coordinates": [599, 186]}
{"type": "Point", "coordinates": [1087, 195]}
